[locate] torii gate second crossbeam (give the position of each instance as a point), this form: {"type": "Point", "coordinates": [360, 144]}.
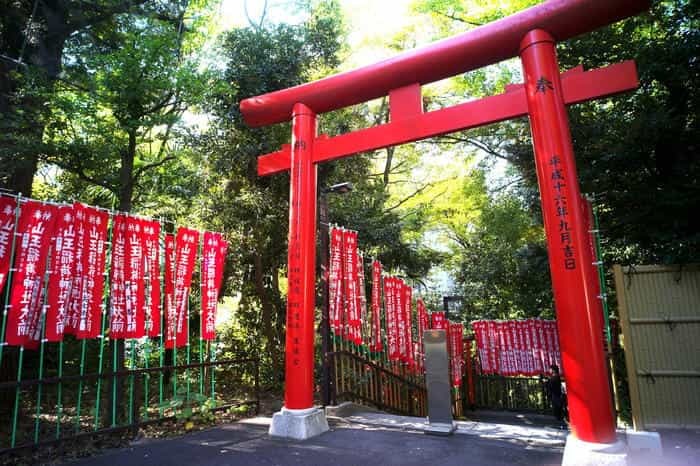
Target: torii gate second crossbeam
{"type": "Point", "coordinates": [543, 97]}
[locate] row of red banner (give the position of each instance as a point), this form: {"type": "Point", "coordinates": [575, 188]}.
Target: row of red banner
{"type": "Point", "coordinates": [517, 347]}
{"type": "Point", "coordinates": [455, 344]}
{"type": "Point", "coordinates": [59, 259]}
{"type": "Point", "coordinates": [391, 305]}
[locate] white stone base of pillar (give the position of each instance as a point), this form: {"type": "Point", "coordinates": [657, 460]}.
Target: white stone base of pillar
{"type": "Point", "coordinates": [580, 453]}
{"type": "Point", "coordinates": [298, 424]}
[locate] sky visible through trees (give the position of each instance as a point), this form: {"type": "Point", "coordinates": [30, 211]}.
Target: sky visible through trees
{"type": "Point", "coordinates": [142, 114]}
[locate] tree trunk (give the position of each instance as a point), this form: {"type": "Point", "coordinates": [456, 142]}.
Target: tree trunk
{"type": "Point", "coordinates": [268, 317]}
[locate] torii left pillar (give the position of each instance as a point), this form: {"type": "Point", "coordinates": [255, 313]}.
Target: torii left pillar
{"type": "Point", "coordinates": [299, 419]}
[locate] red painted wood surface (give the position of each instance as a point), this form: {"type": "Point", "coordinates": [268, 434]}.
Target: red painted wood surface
{"type": "Point", "coordinates": [579, 319]}
{"type": "Point", "coordinates": [487, 44]}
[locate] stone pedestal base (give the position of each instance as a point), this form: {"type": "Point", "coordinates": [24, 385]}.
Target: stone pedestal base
{"type": "Point", "coordinates": [580, 453]}
{"type": "Point", "coordinates": [440, 428]}
{"type": "Point", "coordinates": [644, 443]}
{"type": "Point", "coordinates": [298, 424]}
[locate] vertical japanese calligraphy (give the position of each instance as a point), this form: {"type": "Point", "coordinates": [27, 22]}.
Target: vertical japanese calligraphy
{"type": "Point", "coordinates": [151, 232]}
{"type": "Point", "coordinates": [376, 341]}
{"type": "Point", "coordinates": [62, 273]}
{"type": "Point", "coordinates": [7, 229]}
{"type": "Point", "coordinates": [34, 231]}
{"type": "Point", "coordinates": [561, 204]}
{"type": "Point", "coordinates": [186, 242]}
{"type": "Point", "coordinates": [335, 281]}
{"type": "Point", "coordinates": [391, 318]}
{"type": "Point", "coordinates": [213, 254]}
{"type": "Point", "coordinates": [169, 290]}
{"type": "Point", "coordinates": [511, 348]}
{"type": "Point", "coordinates": [117, 301]}
{"type": "Point", "coordinates": [456, 351]}
{"type": "Point", "coordinates": [350, 276]}
{"type": "Point", "coordinates": [133, 284]}
{"type": "Point", "coordinates": [95, 237]}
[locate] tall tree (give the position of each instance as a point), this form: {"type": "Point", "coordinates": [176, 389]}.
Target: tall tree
{"type": "Point", "coordinates": [253, 210]}
{"type": "Point", "coordinates": [135, 82]}
{"type": "Point", "coordinates": [33, 35]}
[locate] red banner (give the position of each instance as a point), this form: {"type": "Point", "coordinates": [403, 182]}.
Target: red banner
{"type": "Point", "coordinates": [34, 230]}
{"type": "Point", "coordinates": [151, 232]}
{"type": "Point", "coordinates": [117, 298]}
{"type": "Point", "coordinates": [7, 228]}
{"type": "Point", "coordinates": [360, 330]}
{"type": "Point", "coordinates": [62, 273]}
{"type": "Point", "coordinates": [93, 260]}
{"type": "Point", "coordinates": [400, 314]}
{"type": "Point", "coordinates": [376, 344]}
{"type": "Point", "coordinates": [77, 286]}
{"type": "Point", "coordinates": [391, 318]}
{"type": "Point", "coordinates": [169, 285]}
{"type": "Point", "coordinates": [134, 284]}
{"type": "Point", "coordinates": [213, 254]}
{"type": "Point", "coordinates": [335, 281]}
{"type": "Point", "coordinates": [512, 348]}
{"type": "Point", "coordinates": [501, 349]}
{"type": "Point", "coordinates": [544, 345]}
{"type": "Point", "coordinates": [479, 329]}
{"type": "Point", "coordinates": [350, 276]}
{"type": "Point", "coordinates": [438, 320]}
{"type": "Point", "coordinates": [423, 322]}
{"type": "Point", "coordinates": [186, 243]}
{"type": "Point", "coordinates": [456, 347]}
{"type": "Point", "coordinates": [408, 322]}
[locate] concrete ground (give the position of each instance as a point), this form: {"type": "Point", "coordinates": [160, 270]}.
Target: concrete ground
{"type": "Point", "coordinates": [373, 438]}
{"type": "Point", "coordinates": [362, 439]}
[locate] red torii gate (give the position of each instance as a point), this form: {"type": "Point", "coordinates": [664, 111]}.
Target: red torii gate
{"type": "Point", "coordinates": [532, 34]}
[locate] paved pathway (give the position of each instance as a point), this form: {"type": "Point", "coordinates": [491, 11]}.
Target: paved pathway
{"type": "Point", "coordinates": [364, 439]}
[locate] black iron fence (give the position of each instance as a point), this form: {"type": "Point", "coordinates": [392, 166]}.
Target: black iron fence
{"type": "Point", "coordinates": [511, 393]}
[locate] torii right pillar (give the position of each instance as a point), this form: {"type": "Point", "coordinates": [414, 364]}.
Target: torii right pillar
{"type": "Point", "coordinates": [579, 319]}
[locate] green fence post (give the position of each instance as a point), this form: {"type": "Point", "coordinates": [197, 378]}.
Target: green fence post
{"type": "Point", "coordinates": [601, 273]}
{"type": "Point", "coordinates": [132, 366]}
{"type": "Point", "coordinates": [17, 395]}
{"type": "Point", "coordinates": [114, 382]}
{"type": "Point", "coordinates": [42, 326]}
{"type": "Point", "coordinates": [201, 364]}
{"type": "Point", "coordinates": [174, 369]}
{"type": "Point", "coordinates": [161, 277]}
{"type": "Point", "coordinates": [59, 391]}
{"type": "Point", "coordinates": [146, 377]}
{"type": "Point", "coordinates": [80, 383]}
{"type": "Point", "coordinates": [105, 306]}
{"type": "Point", "coordinates": [212, 357]}
{"type": "Point", "coordinates": [187, 370]}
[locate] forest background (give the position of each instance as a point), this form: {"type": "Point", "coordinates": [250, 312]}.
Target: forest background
{"type": "Point", "coordinates": [133, 105]}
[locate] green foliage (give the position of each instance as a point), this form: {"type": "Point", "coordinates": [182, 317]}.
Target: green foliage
{"type": "Point", "coordinates": [499, 260]}
{"type": "Point", "coordinates": [639, 150]}
{"type": "Point", "coordinates": [253, 211]}
{"type": "Point", "coordinates": [116, 127]}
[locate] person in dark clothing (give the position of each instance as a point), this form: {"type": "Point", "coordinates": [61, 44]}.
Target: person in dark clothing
{"type": "Point", "coordinates": [556, 395]}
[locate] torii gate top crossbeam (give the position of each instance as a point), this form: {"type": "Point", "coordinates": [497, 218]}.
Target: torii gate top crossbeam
{"type": "Point", "coordinates": [491, 43]}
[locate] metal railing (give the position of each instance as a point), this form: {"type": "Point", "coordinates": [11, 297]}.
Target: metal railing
{"type": "Point", "coordinates": [67, 403]}
{"type": "Point", "coordinates": [375, 381]}
{"type": "Point", "coordinates": [511, 393]}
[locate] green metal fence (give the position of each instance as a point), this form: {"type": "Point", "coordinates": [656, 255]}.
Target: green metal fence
{"type": "Point", "coordinates": [56, 398]}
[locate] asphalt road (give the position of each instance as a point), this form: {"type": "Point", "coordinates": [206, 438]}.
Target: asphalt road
{"type": "Point", "coordinates": [349, 443]}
